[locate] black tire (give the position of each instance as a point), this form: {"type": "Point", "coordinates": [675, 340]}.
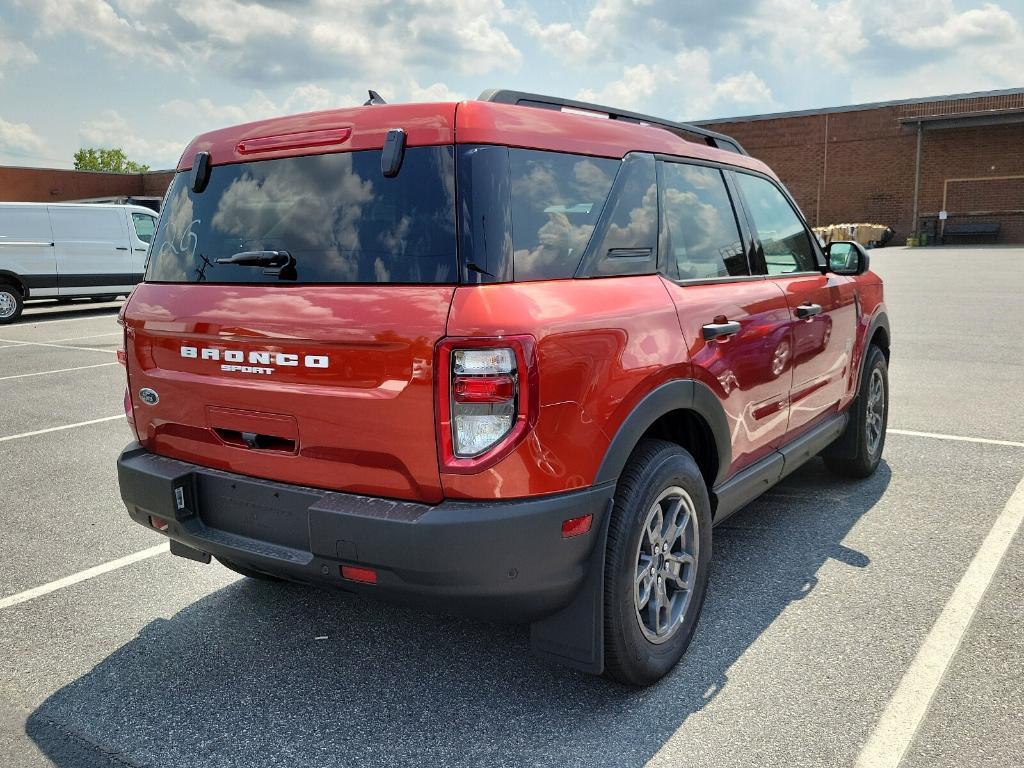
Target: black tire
{"type": "Point", "coordinates": [655, 468]}
{"type": "Point", "coordinates": [98, 299]}
{"type": "Point", "coordinates": [247, 571]}
{"type": "Point", "coordinates": [858, 451]}
{"type": "Point", "coordinates": [12, 303]}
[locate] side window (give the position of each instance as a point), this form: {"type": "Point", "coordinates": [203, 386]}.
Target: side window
{"type": "Point", "coordinates": [24, 224]}
{"type": "Point", "coordinates": [787, 246]}
{"type": "Point", "coordinates": [87, 224]}
{"type": "Point", "coordinates": [556, 201]}
{"type": "Point", "coordinates": [703, 235]}
{"type": "Point", "coordinates": [627, 239]}
{"type": "Point", "coordinates": [145, 226]}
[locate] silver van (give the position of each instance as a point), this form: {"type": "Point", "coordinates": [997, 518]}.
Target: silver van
{"type": "Point", "coordinates": [66, 251]}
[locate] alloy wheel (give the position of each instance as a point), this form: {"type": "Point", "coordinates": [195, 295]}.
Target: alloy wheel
{"type": "Point", "coordinates": [875, 416]}
{"type": "Point", "coordinates": [666, 565]}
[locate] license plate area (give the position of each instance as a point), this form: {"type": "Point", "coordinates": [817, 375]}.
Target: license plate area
{"type": "Point", "coordinates": [255, 509]}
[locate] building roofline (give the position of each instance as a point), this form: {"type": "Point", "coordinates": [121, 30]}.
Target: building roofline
{"type": "Point", "coordinates": [82, 170]}
{"type": "Point", "coordinates": [860, 107]}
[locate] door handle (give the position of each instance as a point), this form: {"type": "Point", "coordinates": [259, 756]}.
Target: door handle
{"type": "Point", "coordinates": [808, 310]}
{"type": "Point", "coordinates": [720, 330]}
{"type": "Point", "coordinates": [120, 248]}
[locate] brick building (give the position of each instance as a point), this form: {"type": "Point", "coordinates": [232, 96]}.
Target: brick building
{"type": "Point", "coordinates": [52, 185]}
{"type": "Point", "coordinates": [882, 162]}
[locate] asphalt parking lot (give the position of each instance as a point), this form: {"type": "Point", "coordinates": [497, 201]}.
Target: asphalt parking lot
{"type": "Point", "coordinates": [837, 609]}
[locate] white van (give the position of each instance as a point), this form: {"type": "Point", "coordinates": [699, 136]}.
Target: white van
{"type": "Point", "coordinates": [64, 251]}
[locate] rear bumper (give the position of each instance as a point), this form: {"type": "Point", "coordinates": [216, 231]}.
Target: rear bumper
{"type": "Point", "coordinates": [502, 560]}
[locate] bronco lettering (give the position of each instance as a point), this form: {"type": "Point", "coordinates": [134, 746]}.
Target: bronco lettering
{"type": "Point", "coordinates": [254, 359]}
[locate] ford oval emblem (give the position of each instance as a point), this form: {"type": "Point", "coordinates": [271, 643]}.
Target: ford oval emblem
{"type": "Point", "coordinates": [149, 396]}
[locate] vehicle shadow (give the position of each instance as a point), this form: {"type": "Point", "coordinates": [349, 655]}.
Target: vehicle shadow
{"type": "Point", "coordinates": [241, 677]}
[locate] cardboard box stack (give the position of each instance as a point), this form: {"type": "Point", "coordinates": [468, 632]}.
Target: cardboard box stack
{"type": "Point", "coordinates": [865, 234]}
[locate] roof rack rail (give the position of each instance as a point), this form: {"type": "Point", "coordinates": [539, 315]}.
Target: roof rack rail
{"type": "Point", "coordinates": [711, 138]}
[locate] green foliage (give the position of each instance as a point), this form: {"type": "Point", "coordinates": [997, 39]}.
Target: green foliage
{"type": "Point", "coordinates": [109, 160]}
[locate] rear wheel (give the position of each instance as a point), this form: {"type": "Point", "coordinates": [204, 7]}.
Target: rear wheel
{"type": "Point", "coordinates": [659, 547]}
{"type": "Point", "coordinates": [11, 303]}
{"type": "Point", "coordinates": [858, 452]}
{"type": "Point", "coordinates": [245, 571]}
{"type": "Point", "coordinates": [103, 298]}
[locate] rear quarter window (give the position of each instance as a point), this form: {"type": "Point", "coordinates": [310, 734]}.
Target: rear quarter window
{"type": "Point", "coordinates": [556, 202]}
{"type": "Point", "coordinates": [336, 214]}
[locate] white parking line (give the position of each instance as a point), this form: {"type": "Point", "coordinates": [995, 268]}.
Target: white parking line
{"type": "Point", "coordinates": [88, 573]}
{"type": "Point", "coordinates": [87, 315]}
{"type": "Point", "coordinates": [5, 438]}
{"type": "Point", "coordinates": [78, 338]}
{"type": "Point", "coordinates": [14, 343]}
{"type": "Point", "coordinates": [895, 731]}
{"type": "Point", "coordinates": [959, 438]}
{"type": "Point", "coordinates": [58, 370]}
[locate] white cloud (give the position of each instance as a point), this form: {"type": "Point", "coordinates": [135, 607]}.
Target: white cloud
{"type": "Point", "coordinates": [788, 32]}
{"type": "Point", "coordinates": [109, 129]}
{"type": "Point", "coordinates": [205, 114]}
{"type": "Point", "coordinates": [686, 83]}
{"type": "Point", "coordinates": [745, 88]}
{"type": "Point", "coordinates": [561, 39]}
{"type": "Point", "coordinates": [14, 53]}
{"type": "Point", "coordinates": [432, 92]}
{"type": "Point", "coordinates": [97, 20]}
{"type": "Point", "coordinates": [20, 139]}
{"type": "Point", "coordinates": [944, 28]}
{"type": "Point", "coordinates": [299, 40]}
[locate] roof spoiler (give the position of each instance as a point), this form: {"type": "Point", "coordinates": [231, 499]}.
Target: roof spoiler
{"type": "Point", "coordinates": [712, 139]}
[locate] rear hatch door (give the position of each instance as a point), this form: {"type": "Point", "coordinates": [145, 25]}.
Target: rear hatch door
{"type": "Point", "coordinates": [313, 366]}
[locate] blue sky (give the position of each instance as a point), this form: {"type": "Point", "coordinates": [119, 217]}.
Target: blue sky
{"type": "Point", "coordinates": [147, 75]}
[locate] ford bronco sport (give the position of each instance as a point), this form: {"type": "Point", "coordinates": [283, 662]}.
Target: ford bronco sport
{"type": "Point", "coordinates": [512, 357]}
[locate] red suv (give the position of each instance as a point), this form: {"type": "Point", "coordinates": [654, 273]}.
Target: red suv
{"type": "Point", "coordinates": [510, 357]}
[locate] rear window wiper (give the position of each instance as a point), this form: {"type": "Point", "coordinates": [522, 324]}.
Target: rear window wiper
{"type": "Point", "coordinates": [278, 263]}
{"type": "Point", "coordinates": [258, 259]}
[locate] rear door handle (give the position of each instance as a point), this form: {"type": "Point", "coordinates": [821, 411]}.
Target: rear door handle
{"type": "Point", "coordinates": [720, 330]}
{"type": "Point", "coordinates": [120, 248]}
{"type": "Point", "coordinates": [808, 310]}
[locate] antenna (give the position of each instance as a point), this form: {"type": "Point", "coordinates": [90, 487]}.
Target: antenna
{"type": "Point", "coordinates": [375, 98]}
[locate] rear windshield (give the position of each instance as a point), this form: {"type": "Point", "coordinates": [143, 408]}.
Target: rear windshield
{"type": "Point", "coordinates": [340, 219]}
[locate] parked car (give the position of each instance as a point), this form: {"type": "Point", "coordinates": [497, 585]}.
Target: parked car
{"type": "Point", "coordinates": [512, 357]}
{"type": "Point", "coordinates": [67, 251]}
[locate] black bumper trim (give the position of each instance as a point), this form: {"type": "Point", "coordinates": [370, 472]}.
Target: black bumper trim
{"type": "Point", "coordinates": [504, 560]}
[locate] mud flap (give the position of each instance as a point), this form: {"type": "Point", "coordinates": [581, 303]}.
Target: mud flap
{"type": "Point", "coordinates": [574, 636]}
{"type": "Point", "coordinates": [183, 550]}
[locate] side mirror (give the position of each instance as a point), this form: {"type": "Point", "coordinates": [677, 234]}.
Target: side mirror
{"type": "Point", "coordinates": [846, 257]}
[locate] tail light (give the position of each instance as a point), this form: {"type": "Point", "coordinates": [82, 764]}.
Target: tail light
{"type": "Point", "coordinates": [487, 399]}
{"type": "Point", "coordinates": [122, 358]}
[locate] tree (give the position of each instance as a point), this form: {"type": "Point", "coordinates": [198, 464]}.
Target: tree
{"type": "Point", "coordinates": [109, 160]}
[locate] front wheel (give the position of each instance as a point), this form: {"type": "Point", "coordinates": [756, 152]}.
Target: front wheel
{"type": "Point", "coordinates": [11, 303]}
{"type": "Point", "coordinates": [859, 450]}
{"type": "Point", "coordinates": [659, 548]}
